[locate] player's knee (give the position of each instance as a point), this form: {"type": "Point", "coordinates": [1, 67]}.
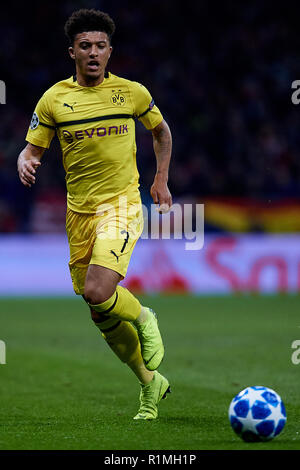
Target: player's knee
{"type": "Point", "coordinates": [96, 294]}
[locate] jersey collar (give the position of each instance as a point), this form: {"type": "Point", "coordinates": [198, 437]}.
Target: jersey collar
{"type": "Point", "coordinates": [106, 75]}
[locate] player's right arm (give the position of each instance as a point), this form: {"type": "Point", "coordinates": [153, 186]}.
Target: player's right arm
{"type": "Point", "coordinates": [39, 136]}
{"type": "Point", "coordinates": [28, 162]}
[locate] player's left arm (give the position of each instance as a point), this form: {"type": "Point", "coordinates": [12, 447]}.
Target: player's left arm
{"type": "Point", "coordinates": [162, 145]}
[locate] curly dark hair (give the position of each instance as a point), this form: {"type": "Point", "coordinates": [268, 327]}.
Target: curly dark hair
{"type": "Point", "coordinates": [85, 20]}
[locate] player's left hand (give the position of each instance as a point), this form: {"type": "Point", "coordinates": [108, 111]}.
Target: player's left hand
{"type": "Point", "coordinates": [161, 195]}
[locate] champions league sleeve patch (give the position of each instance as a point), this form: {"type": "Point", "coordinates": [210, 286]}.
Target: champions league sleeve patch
{"type": "Point", "coordinates": [34, 121]}
{"type": "Point", "coordinates": [151, 105]}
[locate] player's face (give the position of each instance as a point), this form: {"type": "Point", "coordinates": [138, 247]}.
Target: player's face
{"type": "Point", "coordinates": [91, 51]}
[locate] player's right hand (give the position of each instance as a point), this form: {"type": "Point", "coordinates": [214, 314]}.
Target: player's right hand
{"type": "Point", "coordinates": [27, 171]}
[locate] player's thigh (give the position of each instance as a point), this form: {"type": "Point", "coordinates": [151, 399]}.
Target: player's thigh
{"type": "Point", "coordinates": [81, 233]}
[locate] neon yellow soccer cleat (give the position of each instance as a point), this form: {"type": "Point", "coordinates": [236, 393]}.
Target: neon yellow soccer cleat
{"type": "Point", "coordinates": [150, 396]}
{"type": "Point", "coordinates": [151, 343]}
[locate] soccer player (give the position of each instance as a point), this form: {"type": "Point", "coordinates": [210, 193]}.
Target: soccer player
{"type": "Point", "coordinates": [93, 114]}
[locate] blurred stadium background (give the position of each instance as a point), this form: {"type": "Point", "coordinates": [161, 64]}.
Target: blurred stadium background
{"type": "Point", "coordinates": [222, 76]}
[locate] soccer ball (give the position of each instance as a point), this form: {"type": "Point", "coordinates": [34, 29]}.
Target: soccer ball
{"type": "Point", "coordinates": [257, 414]}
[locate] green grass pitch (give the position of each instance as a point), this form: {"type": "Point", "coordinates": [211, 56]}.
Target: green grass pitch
{"type": "Point", "coordinates": [62, 387]}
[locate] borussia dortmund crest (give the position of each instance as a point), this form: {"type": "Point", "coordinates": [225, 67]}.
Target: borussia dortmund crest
{"type": "Point", "coordinates": [118, 99]}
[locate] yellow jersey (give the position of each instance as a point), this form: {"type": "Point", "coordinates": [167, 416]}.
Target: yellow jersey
{"type": "Point", "coordinates": [96, 129]}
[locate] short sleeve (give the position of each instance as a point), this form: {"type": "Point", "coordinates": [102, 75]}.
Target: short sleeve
{"type": "Point", "coordinates": [42, 126]}
{"type": "Point", "coordinates": [146, 110]}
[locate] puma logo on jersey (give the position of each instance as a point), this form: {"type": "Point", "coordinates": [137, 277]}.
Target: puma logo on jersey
{"type": "Point", "coordinates": [69, 106]}
{"type": "Point", "coordinates": [115, 255]}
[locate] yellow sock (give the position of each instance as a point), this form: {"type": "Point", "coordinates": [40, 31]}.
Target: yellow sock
{"type": "Point", "coordinates": [122, 338]}
{"type": "Point", "coordinates": [139, 369]}
{"type": "Point", "coordinates": [122, 305]}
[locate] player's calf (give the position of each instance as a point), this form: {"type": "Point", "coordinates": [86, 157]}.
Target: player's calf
{"type": "Point", "coordinates": [123, 339]}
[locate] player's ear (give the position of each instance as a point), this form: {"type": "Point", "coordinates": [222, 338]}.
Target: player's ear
{"type": "Point", "coordinates": [71, 52]}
